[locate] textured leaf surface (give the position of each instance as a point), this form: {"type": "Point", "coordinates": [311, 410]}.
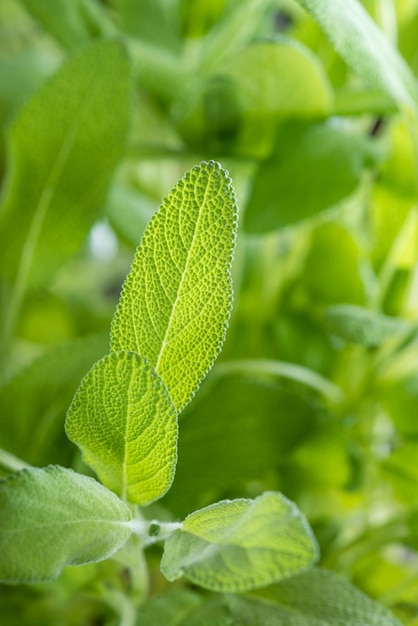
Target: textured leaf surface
{"type": "Point", "coordinates": [315, 598]}
{"type": "Point", "coordinates": [64, 146]}
{"type": "Point", "coordinates": [125, 424]}
{"type": "Point", "coordinates": [177, 298]}
{"type": "Point", "coordinates": [236, 545]}
{"type": "Point", "coordinates": [364, 47]}
{"type": "Point", "coordinates": [53, 517]}
{"type": "Point", "coordinates": [361, 326]}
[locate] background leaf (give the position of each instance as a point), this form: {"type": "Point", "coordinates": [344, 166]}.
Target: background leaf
{"type": "Point", "coordinates": [236, 545]}
{"type": "Point", "coordinates": [364, 48]}
{"type": "Point", "coordinates": [313, 167]}
{"type": "Point", "coordinates": [239, 430]}
{"type": "Point", "coordinates": [315, 598]}
{"type": "Point", "coordinates": [177, 298]}
{"type": "Point", "coordinates": [53, 517]}
{"type": "Point", "coordinates": [34, 402]}
{"type": "Point", "coordinates": [358, 325]}
{"type": "Point", "coordinates": [125, 424]}
{"type": "Point", "coordinates": [71, 23]}
{"type": "Point", "coordinates": [64, 146]}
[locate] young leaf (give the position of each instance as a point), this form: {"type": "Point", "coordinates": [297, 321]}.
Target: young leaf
{"type": "Point", "coordinates": [125, 423]}
{"type": "Point", "coordinates": [64, 146]}
{"type": "Point", "coordinates": [177, 298]}
{"type": "Point", "coordinates": [53, 517]}
{"type": "Point", "coordinates": [364, 48]}
{"type": "Point", "coordinates": [236, 545]}
{"type": "Point", "coordinates": [358, 325]}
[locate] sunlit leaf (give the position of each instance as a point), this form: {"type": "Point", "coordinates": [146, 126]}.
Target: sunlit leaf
{"type": "Point", "coordinates": [53, 517]}
{"type": "Point", "coordinates": [177, 298]}
{"type": "Point", "coordinates": [235, 545]}
{"type": "Point", "coordinates": [125, 423]}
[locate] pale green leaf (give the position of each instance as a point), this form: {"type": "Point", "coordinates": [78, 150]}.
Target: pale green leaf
{"type": "Point", "coordinates": [53, 517]}
{"type": "Point", "coordinates": [315, 598]}
{"type": "Point", "coordinates": [365, 48]}
{"type": "Point", "coordinates": [71, 23]}
{"type": "Point", "coordinates": [64, 146]}
{"type": "Point", "coordinates": [358, 325]}
{"type": "Point", "coordinates": [177, 298]}
{"type": "Point", "coordinates": [125, 424]}
{"type": "Point", "coordinates": [236, 545]}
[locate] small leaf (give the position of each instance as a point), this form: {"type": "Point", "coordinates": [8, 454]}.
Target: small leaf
{"type": "Point", "coordinates": [53, 517]}
{"type": "Point", "coordinates": [365, 48]}
{"type": "Point", "coordinates": [177, 298]}
{"type": "Point", "coordinates": [236, 545]}
{"type": "Point", "coordinates": [358, 325]}
{"type": "Point", "coordinates": [169, 608]}
{"type": "Point", "coordinates": [125, 424]}
{"type": "Point", "coordinates": [64, 146]}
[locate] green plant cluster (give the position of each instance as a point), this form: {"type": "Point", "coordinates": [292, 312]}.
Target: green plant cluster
{"type": "Point", "coordinates": [243, 450]}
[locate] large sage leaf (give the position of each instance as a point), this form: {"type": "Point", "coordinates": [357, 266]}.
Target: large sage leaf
{"type": "Point", "coordinates": [365, 48]}
{"type": "Point", "coordinates": [125, 423]}
{"type": "Point", "coordinates": [236, 545]}
{"type": "Point", "coordinates": [53, 517]}
{"type": "Point", "coordinates": [177, 298]}
{"type": "Point", "coordinates": [64, 146]}
{"type": "Point", "coordinates": [315, 598]}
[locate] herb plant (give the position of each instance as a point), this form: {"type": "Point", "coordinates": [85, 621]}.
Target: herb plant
{"type": "Point", "coordinates": [224, 460]}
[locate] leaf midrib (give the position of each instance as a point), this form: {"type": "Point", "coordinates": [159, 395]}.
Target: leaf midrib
{"type": "Point", "coordinates": [184, 274]}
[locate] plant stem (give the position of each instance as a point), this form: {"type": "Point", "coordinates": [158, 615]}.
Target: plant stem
{"type": "Point", "coordinates": [11, 462]}
{"type": "Point", "coordinates": [283, 369]}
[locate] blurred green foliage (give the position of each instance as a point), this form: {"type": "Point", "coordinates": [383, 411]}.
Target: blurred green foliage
{"type": "Point", "coordinates": [316, 391]}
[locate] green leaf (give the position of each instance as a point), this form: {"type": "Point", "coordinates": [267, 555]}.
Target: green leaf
{"type": "Point", "coordinates": [125, 424]}
{"type": "Point", "coordinates": [34, 402]}
{"type": "Point", "coordinates": [236, 545]}
{"type": "Point", "coordinates": [71, 23]}
{"type": "Point", "coordinates": [315, 598]}
{"type": "Point", "coordinates": [265, 422]}
{"type": "Point", "coordinates": [358, 325]}
{"type": "Point", "coordinates": [177, 298]}
{"type": "Point", "coordinates": [64, 146]}
{"type": "Point", "coordinates": [365, 48]}
{"type": "Point", "coordinates": [314, 166]}
{"type": "Point", "coordinates": [169, 608]}
{"type": "Point", "coordinates": [53, 517]}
